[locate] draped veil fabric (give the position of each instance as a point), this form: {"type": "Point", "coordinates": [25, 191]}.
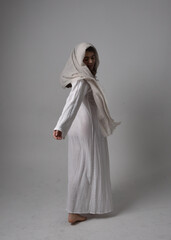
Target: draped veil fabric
{"type": "Point", "coordinates": [74, 70]}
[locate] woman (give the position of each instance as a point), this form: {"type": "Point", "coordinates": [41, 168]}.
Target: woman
{"type": "Point", "coordinates": [87, 122]}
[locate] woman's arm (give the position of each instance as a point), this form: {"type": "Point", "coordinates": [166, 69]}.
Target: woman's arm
{"type": "Point", "coordinates": [73, 102]}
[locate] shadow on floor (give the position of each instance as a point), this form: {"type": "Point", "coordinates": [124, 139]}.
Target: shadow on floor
{"type": "Point", "coordinates": [126, 195]}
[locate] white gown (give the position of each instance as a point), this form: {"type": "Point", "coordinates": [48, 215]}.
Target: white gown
{"type": "Point", "coordinates": [89, 185]}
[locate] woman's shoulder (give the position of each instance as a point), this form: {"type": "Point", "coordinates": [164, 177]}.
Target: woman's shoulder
{"type": "Point", "coordinates": [80, 82]}
{"type": "Point", "coordinates": [80, 86]}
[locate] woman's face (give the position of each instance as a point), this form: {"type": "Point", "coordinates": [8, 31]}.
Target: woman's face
{"type": "Point", "coordinates": [89, 60]}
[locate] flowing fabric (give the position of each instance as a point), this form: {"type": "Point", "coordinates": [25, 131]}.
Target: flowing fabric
{"type": "Point", "coordinates": [74, 70]}
{"type": "Point", "coordinates": [89, 186]}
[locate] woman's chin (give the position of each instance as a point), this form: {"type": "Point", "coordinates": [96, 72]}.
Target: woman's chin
{"type": "Point", "coordinates": [91, 69]}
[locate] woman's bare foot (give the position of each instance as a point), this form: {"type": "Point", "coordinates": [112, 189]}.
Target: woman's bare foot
{"type": "Point", "coordinates": [73, 218]}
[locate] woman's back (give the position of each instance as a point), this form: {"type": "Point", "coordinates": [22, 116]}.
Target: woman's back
{"type": "Point", "coordinates": [86, 117]}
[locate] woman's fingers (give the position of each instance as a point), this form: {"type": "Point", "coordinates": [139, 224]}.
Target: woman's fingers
{"type": "Point", "coordinates": [57, 134]}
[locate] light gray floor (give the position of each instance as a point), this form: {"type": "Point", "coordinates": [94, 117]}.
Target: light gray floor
{"type": "Point", "coordinates": [37, 211]}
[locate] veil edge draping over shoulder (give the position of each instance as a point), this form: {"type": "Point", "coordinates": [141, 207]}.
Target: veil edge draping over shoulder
{"type": "Point", "coordinates": [74, 70]}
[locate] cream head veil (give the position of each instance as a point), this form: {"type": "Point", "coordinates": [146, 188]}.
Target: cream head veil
{"type": "Point", "coordinates": [74, 70]}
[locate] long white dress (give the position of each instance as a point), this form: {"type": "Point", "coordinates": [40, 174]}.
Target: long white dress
{"type": "Point", "coordinates": [89, 185]}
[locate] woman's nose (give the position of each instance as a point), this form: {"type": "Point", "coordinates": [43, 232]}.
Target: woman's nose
{"type": "Point", "coordinates": [90, 61]}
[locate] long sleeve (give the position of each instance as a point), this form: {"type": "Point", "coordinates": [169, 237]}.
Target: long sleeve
{"type": "Point", "coordinates": [73, 102]}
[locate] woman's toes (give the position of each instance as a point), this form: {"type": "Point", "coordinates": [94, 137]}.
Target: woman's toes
{"type": "Point", "coordinates": [76, 218]}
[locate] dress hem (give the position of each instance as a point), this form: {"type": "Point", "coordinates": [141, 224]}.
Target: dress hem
{"type": "Point", "coordinates": [90, 212]}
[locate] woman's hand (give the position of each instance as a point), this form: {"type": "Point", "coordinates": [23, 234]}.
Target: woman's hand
{"type": "Point", "coordinates": [57, 134]}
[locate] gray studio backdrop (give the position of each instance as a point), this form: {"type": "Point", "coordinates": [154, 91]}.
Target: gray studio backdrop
{"type": "Point", "coordinates": [133, 41]}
